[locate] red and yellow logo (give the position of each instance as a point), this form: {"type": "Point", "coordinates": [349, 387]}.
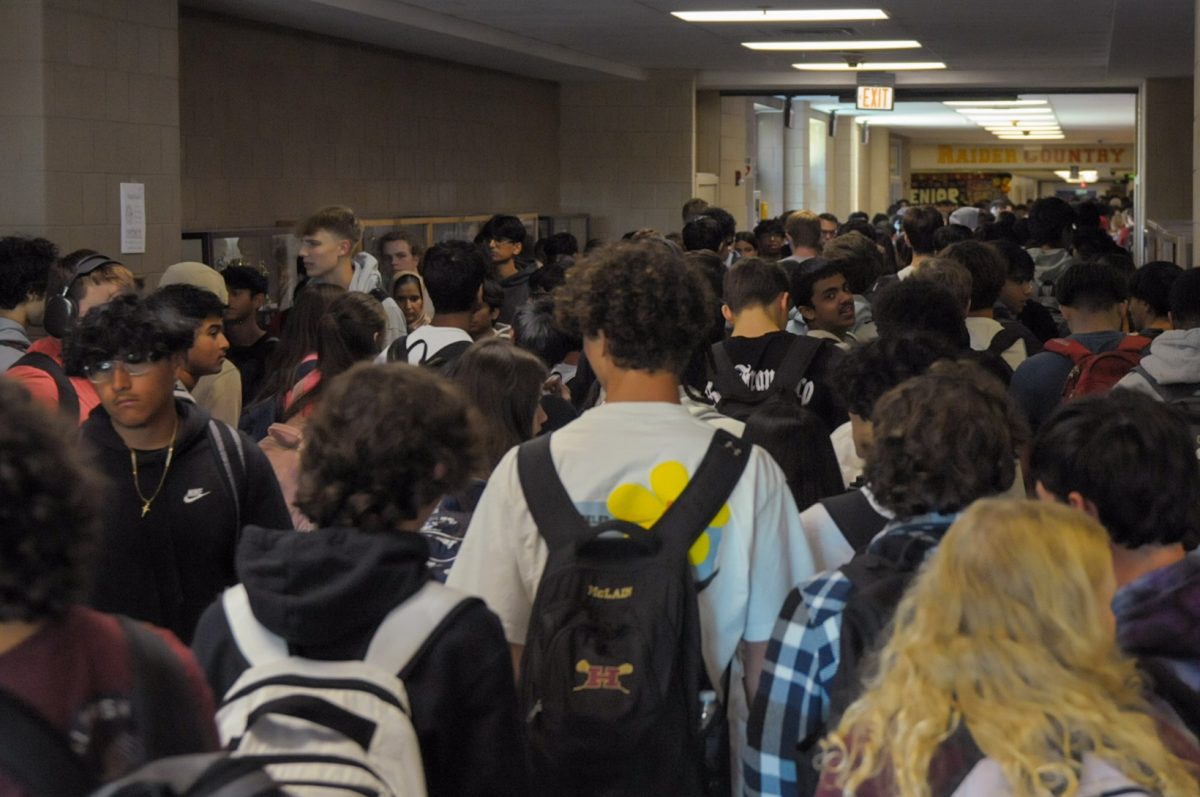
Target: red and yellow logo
{"type": "Point", "coordinates": [601, 676]}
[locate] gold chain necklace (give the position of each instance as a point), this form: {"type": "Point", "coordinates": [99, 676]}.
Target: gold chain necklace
{"type": "Point", "coordinates": [162, 480]}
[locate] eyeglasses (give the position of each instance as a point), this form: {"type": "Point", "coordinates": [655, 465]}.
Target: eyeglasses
{"type": "Point", "coordinates": [133, 365]}
{"type": "Point", "coordinates": [508, 241]}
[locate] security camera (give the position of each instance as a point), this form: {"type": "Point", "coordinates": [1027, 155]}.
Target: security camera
{"type": "Point", "coordinates": [853, 59]}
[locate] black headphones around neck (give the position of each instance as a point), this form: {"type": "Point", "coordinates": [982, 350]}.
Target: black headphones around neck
{"type": "Point", "coordinates": [62, 311]}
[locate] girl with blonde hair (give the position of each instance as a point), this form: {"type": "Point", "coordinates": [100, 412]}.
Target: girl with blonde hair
{"type": "Point", "coordinates": [1002, 675]}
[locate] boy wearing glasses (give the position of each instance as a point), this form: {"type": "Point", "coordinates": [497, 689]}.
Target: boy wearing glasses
{"type": "Point", "coordinates": [182, 486]}
{"type": "Point", "coordinates": [504, 237]}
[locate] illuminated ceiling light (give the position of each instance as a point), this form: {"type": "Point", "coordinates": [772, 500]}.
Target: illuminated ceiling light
{"type": "Point", "coordinates": [851, 46]}
{"type": "Point", "coordinates": [1030, 137]}
{"type": "Point", "coordinates": [983, 112]}
{"type": "Point", "coordinates": [993, 103]}
{"type": "Point", "coordinates": [781, 15]}
{"type": "Point", "coordinates": [1022, 130]}
{"type": "Point", "coordinates": [877, 66]}
{"type": "Point", "coordinates": [1088, 176]}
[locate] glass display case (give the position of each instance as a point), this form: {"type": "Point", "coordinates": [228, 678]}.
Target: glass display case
{"type": "Point", "coordinates": [274, 251]}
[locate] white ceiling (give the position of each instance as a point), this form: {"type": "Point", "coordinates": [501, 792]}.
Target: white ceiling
{"type": "Point", "coordinates": [1026, 45]}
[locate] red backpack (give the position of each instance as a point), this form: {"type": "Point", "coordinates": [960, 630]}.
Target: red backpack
{"type": "Point", "coordinates": [1097, 372]}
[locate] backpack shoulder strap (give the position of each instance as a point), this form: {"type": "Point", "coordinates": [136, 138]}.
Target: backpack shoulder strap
{"type": "Point", "coordinates": [725, 378]}
{"type": "Point", "coordinates": [256, 644]}
{"type": "Point", "coordinates": [163, 707]}
{"type": "Point", "coordinates": [1174, 392]}
{"type": "Point", "coordinates": [231, 458]}
{"type": "Point", "coordinates": [19, 345]}
{"type": "Point", "coordinates": [410, 627]}
{"type": "Point", "coordinates": [1134, 343]}
{"type": "Point", "coordinates": [68, 399]}
{"type": "Point", "coordinates": [802, 350]}
{"type": "Point", "coordinates": [1066, 347]}
{"type": "Point", "coordinates": [1178, 695]}
{"type": "Point", "coordinates": [1003, 340]}
{"type": "Point", "coordinates": [554, 513]}
{"type": "Point", "coordinates": [710, 487]}
{"type": "Point", "coordinates": [450, 352]}
{"type": "Point", "coordinates": [398, 351]}
{"type": "Point", "coordinates": [856, 519]}
{"type": "Point", "coordinates": [36, 755]}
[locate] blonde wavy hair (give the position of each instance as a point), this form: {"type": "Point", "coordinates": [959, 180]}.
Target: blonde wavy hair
{"type": "Point", "coordinates": [1006, 631]}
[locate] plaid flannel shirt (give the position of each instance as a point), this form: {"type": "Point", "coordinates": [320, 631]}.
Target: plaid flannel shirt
{"type": "Point", "coordinates": [792, 702]}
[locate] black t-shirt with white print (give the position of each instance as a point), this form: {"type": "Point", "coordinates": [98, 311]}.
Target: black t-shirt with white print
{"type": "Point", "coordinates": [758, 359]}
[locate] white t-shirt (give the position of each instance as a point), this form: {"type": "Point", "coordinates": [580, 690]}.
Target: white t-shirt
{"type": "Point", "coordinates": [629, 460]}
{"type": "Point", "coordinates": [850, 463]}
{"type": "Point", "coordinates": [984, 329]}
{"type": "Point", "coordinates": [827, 545]}
{"type": "Point", "coordinates": [426, 341]}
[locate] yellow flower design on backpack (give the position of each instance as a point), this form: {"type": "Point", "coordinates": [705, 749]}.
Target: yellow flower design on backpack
{"type": "Point", "coordinates": [636, 504]}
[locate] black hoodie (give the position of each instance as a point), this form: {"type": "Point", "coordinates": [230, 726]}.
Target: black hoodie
{"type": "Point", "coordinates": [166, 567]}
{"type": "Point", "coordinates": [516, 291]}
{"type": "Point", "coordinates": [326, 591]}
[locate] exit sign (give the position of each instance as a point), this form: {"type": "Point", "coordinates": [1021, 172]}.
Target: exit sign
{"type": "Point", "coordinates": [876, 98]}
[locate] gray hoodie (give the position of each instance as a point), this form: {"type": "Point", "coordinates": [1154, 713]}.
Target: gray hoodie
{"type": "Point", "coordinates": [1174, 359]}
{"type": "Point", "coordinates": [13, 343]}
{"type": "Point", "coordinates": [367, 279]}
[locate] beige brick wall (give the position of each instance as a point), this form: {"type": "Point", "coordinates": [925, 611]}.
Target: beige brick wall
{"type": "Point", "coordinates": [627, 151]}
{"type": "Point", "coordinates": [278, 122]}
{"type": "Point", "coordinates": [89, 96]}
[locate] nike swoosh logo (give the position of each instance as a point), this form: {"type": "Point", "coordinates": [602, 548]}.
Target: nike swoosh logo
{"type": "Point", "coordinates": [194, 495]}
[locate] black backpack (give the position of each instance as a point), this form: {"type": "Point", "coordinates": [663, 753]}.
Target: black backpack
{"type": "Point", "coordinates": [856, 519]}
{"type": "Point", "coordinates": [38, 758]}
{"type": "Point", "coordinates": [443, 357]}
{"type": "Point", "coordinates": [68, 399]}
{"type": "Point", "coordinates": [611, 671]}
{"type": "Point", "coordinates": [879, 577]}
{"type": "Point", "coordinates": [1185, 397]}
{"type": "Point", "coordinates": [738, 401]}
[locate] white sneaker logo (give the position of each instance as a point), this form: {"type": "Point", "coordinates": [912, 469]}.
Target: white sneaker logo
{"type": "Point", "coordinates": [195, 494]}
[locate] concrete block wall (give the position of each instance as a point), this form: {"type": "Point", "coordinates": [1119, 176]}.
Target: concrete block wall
{"type": "Point", "coordinates": [627, 151]}
{"type": "Point", "coordinates": [325, 121]}
{"type": "Point", "coordinates": [90, 97]}
{"type": "Point", "coordinates": [737, 143]}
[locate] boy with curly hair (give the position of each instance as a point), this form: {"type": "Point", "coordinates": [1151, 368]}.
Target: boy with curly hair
{"type": "Point", "coordinates": [70, 665]}
{"type": "Point", "coordinates": [641, 313]}
{"type": "Point", "coordinates": [384, 445]}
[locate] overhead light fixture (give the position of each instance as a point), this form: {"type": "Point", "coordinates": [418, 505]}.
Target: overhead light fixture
{"type": "Point", "coordinates": [993, 103]}
{"type": "Point", "coordinates": [1030, 137]}
{"type": "Point", "coordinates": [1001, 131]}
{"type": "Point", "coordinates": [838, 46]}
{"type": "Point", "coordinates": [983, 112]}
{"type": "Point", "coordinates": [1088, 176]}
{"type": "Point", "coordinates": [877, 66]}
{"type": "Point", "coordinates": [782, 15]}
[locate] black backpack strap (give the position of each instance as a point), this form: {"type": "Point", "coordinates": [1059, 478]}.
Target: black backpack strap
{"type": "Point", "coordinates": [802, 350]}
{"type": "Point", "coordinates": [227, 447]}
{"type": "Point", "coordinates": [19, 345]}
{"type": "Point", "coordinates": [726, 381]}
{"type": "Point", "coordinates": [398, 351]}
{"type": "Point", "coordinates": [856, 519]}
{"type": "Point", "coordinates": [710, 487]}
{"type": "Point", "coordinates": [164, 710]}
{"type": "Point", "coordinates": [35, 754]}
{"type": "Point", "coordinates": [1168, 393]}
{"type": "Point", "coordinates": [1182, 699]}
{"type": "Point", "coordinates": [68, 399]}
{"type": "Point", "coordinates": [1003, 340]}
{"type": "Point", "coordinates": [448, 354]}
{"type": "Point", "coordinates": [554, 513]}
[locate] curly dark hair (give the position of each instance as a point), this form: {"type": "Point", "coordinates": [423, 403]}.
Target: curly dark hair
{"type": "Point", "coordinates": [650, 306]}
{"type": "Point", "coordinates": [385, 442]}
{"type": "Point", "coordinates": [126, 325]}
{"type": "Point", "coordinates": [24, 267]}
{"type": "Point", "coordinates": [872, 369]}
{"type": "Point", "coordinates": [1130, 455]}
{"type": "Point", "coordinates": [942, 440]}
{"type": "Point", "coordinates": [49, 511]}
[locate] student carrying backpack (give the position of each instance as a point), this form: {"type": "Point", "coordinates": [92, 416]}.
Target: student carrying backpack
{"type": "Point", "coordinates": [739, 400]}
{"type": "Point", "coordinates": [1097, 372]}
{"type": "Point", "coordinates": [1184, 396]}
{"type": "Point", "coordinates": [611, 670]}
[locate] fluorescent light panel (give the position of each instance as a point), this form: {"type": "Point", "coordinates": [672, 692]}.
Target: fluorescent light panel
{"type": "Point", "coordinates": [878, 66]}
{"type": "Point", "coordinates": [850, 46]}
{"type": "Point", "coordinates": [987, 112]}
{"type": "Point", "coordinates": [782, 15]}
{"type": "Point", "coordinates": [993, 103]}
{"type": "Point", "coordinates": [1088, 176]}
{"type": "Point", "coordinates": [1031, 137]}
